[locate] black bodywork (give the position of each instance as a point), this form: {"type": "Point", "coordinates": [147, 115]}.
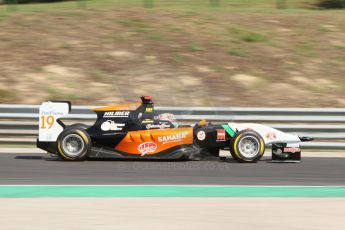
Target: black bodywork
{"type": "Point", "coordinates": [112, 126]}
{"type": "Point", "coordinates": [143, 118]}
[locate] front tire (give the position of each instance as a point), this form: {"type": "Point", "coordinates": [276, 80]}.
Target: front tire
{"type": "Point", "coordinates": [247, 146]}
{"type": "Point", "coordinates": [74, 144]}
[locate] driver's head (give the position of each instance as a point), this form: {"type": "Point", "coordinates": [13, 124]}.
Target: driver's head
{"type": "Point", "coordinates": [169, 117]}
{"type": "Point", "coordinates": [146, 99]}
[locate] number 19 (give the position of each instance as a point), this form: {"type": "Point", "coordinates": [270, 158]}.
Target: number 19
{"type": "Point", "coordinates": [49, 120]}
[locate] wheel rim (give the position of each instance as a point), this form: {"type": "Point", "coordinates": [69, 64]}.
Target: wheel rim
{"type": "Point", "coordinates": [249, 146]}
{"type": "Point", "coordinates": [73, 145]}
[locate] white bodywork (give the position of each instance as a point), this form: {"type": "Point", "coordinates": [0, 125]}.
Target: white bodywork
{"type": "Point", "coordinates": [270, 135]}
{"type": "Point", "coordinates": [49, 128]}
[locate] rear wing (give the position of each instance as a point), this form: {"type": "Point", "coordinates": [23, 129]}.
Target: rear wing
{"type": "Point", "coordinates": [50, 126]}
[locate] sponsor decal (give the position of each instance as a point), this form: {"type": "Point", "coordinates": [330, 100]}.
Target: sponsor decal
{"type": "Point", "coordinates": [147, 147]}
{"type": "Point", "coordinates": [147, 121]}
{"type": "Point", "coordinates": [140, 115]}
{"type": "Point", "coordinates": [229, 130]}
{"type": "Point", "coordinates": [292, 150]}
{"type": "Point", "coordinates": [292, 145]}
{"type": "Point", "coordinates": [201, 135]}
{"type": "Point", "coordinates": [149, 110]}
{"type": "Point", "coordinates": [52, 113]}
{"type": "Point", "coordinates": [162, 125]}
{"type": "Point", "coordinates": [111, 125]}
{"type": "Point", "coordinates": [271, 136]}
{"type": "Point", "coordinates": [172, 138]}
{"type": "Point", "coordinates": [220, 134]}
{"type": "Point", "coordinates": [116, 114]}
{"type": "Point", "coordinates": [280, 153]}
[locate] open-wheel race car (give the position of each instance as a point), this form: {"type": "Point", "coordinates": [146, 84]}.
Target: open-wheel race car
{"type": "Point", "coordinates": [134, 131]}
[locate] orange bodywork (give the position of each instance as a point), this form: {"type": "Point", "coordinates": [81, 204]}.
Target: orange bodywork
{"type": "Point", "coordinates": [129, 106]}
{"type": "Point", "coordinates": [148, 142]}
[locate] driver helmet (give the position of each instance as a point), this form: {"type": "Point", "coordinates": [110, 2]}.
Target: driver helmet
{"type": "Point", "coordinates": [169, 117]}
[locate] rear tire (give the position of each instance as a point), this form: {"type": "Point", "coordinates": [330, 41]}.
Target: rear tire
{"type": "Point", "coordinates": [74, 144]}
{"type": "Point", "coordinates": [247, 146]}
{"type": "Point", "coordinates": [79, 125]}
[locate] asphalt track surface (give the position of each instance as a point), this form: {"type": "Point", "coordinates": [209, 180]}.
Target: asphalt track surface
{"type": "Point", "coordinates": [40, 169]}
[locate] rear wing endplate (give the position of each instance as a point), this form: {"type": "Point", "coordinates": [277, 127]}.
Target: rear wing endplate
{"type": "Point", "coordinates": [50, 126]}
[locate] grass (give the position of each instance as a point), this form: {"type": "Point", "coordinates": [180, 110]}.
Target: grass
{"type": "Point", "coordinates": [133, 23]}
{"type": "Point", "coordinates": [247, 35]}
{"type": "Point", "coordinates": [236, 38]}
{"type": "Point", "coordinates": [306, 48]}
{"type": "Point", "coordinates": [190, 7]}
{"type": "Point", "coordinates": [177, 58]}
{"type": "Point", "coordinates": [195, 47]}
{"type": "Point", "coordinates": [177, 30]}
{"type": "Point", "coordinates": [100, 75]}
{"type": "Point", "coordinates": [65, 45]}
{"type": "Point", "coordinates": [6, 95]}
{"type": "Point", "coordinates": [235, 52]}
{"type": "Point", "coordinates": [253, 37]}
{"type": "Point", "coordinates": [155, 35]}
{"type": "Point", "coordinates": [324, 29]}
{"type": "Point", "coordinates": [138, 25]}
{"type": "Point", "coordinates": [55, 94]}
{"type": "Point", "coordinates": [72, 97]}
{"type": "Point", "coordinates": [219, 69]}
{"type": "Point", "coordinates": [52, 91]}
{"type": "Point", "coordinates": [340, 46]}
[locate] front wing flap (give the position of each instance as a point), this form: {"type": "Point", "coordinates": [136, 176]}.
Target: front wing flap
{"type": "Point", "coordinates": [283, 152]}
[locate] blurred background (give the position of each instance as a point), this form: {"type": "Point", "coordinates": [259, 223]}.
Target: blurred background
{"type": "Point", "coordinates": [279, 53]}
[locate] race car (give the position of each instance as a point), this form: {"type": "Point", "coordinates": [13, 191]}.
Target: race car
{"type": "Point", "coordinates": [134, 131]}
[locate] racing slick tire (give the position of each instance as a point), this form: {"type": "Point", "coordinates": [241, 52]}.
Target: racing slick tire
{"type": "Point", "coordinates": [247, 146]}
{"type": "Point", "coordinates": [79, 125]}
{"type": "Point", "coordinates": [74, 144]}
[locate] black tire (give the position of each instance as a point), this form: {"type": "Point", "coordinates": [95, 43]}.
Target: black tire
{"type": "Point", "coordinates": [79, 125]}
{"type": "Point", "coordinates": [74, 144]}
{"type": "Point", "coordinates": [252, 151]}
